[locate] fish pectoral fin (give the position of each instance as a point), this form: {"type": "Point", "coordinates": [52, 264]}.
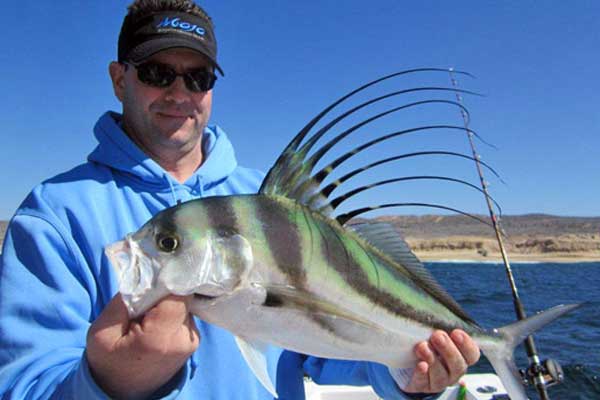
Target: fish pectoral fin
{"type": "Point", "coordinates": [231, 302]}
{"type": "Point", "coordinates": [254, 352]}
{"type": "Point", "coordinates": [289, 297]}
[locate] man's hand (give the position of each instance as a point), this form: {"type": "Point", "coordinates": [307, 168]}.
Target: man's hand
{"type": "Point", "coordinates": [443, 360]}
{"type": "Point", "coordinates": [132, 359]}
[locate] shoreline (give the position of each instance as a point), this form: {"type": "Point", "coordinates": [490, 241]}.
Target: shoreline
{"type": "Point", "coordinates": [472, 257]}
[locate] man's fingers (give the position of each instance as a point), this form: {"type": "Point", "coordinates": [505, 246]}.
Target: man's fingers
{"type": "Point", "coordinates": [424, 352]}
{"type": "Point", "coordinates": [442, 361]}
{"type": "Point", "coordinates": [430, 375]}
{"type": "Point", "coordinates": [170, 313]}
{"type": "Point", "coordinates": [421, 379]}
{"type": "Point", "coordinates": [132, 357]}
{"type": "Point", "coordinates": [438, 376]}
{"type": "Point", "coordinates": [113, 318]}
{"type": "Point", "coordinates": [466, 346]}
{"type": "Point", "coordinates": [450, 357]}
{"type": "Point", "coordinates": [167, 328]}
{"type": "Point", "coordinates": [419, 382]}
{"type": "Point", "coordinates": [193, 331]}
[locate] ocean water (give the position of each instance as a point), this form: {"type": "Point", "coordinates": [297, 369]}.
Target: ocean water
{"type": "Point", "coordinates": [573, 340]}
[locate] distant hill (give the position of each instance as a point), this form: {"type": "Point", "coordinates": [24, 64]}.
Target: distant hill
{"type": "Point", "coordinates": [440, 226]}
{"type": "Point", "coordinates": [528, 237]}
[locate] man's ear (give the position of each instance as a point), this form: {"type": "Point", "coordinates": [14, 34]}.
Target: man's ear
{"type": "Point", "coordinates": [117, 75]}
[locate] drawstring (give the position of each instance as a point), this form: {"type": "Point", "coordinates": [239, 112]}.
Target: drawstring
{"type": "Point", "coordinates": [200, 185]}
{"type": "Point", "coordinates": [199, 188]}
{"type": "Point", "coordinates": [175, 201]}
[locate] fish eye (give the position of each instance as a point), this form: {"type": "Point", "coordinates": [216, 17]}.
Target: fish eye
{"type": "Point", "coordinates": [167, 243]}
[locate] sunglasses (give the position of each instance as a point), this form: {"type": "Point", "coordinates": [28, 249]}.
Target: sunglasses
{"type": "Point", "coordinates": [161, 76]}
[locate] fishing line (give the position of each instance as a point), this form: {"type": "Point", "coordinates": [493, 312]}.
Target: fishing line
{"type": "Point", "coordinates": [537, 371]}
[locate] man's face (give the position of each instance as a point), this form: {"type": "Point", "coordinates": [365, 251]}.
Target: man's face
{"type": "Point", "coordinates": [166, 120]}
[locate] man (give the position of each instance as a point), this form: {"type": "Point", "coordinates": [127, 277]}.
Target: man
{"type": "Point", "coordinates": [65, 333]}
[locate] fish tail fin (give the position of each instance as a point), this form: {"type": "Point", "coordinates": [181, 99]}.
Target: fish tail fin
{"type": "Point", "coordinates": [500, 353]}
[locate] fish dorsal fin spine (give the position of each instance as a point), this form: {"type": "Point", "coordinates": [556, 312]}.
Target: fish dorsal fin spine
{"type": "Point", "coordinates": [384, 237]}
{"type": "Point", "coordinates": [292, 175]}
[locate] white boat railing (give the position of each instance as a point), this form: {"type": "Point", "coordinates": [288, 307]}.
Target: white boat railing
{"type": "Point", "coordinates": [476, 387]}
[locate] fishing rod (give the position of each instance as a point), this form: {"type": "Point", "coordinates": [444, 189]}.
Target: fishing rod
{"type": "Point", "coordinates": [541, 374]}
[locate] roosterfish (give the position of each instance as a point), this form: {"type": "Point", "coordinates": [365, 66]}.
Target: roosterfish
{"type": "Point", "coordinates": [281, 268]}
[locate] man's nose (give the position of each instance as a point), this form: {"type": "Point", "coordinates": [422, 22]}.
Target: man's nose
{"type": "Point", "coordinates": [177, 91]}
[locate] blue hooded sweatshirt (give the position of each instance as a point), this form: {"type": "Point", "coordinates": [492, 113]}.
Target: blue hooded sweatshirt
{"type": "Point", "coordinates": [55, 279]}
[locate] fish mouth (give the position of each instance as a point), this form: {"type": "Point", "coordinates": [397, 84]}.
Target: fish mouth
{"type": "Point", "coordinates": [204, 297]}
{"type": "Point", "coordinates": [203, 302]}
{"type": "Point", "coordinates": [210, 293]}
{"type": "Point", "coordinates": [133, 266]}
{"type": "Point", "coordinates": [135, 271]}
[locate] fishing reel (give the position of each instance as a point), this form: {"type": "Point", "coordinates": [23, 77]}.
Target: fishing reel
{"type": "Point", "coordinates": [550, 370]}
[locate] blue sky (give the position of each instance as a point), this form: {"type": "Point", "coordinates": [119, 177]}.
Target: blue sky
{"type": "Point", "coordinates": [536, 62]}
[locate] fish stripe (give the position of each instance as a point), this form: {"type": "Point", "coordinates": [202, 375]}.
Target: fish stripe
{"type": "Point", "coordinates": [316, 235]}
{"type": "Point", "coordinates": [291, 231]}
{"type": "Point", "coordinates": [281, 233]}
{"type": "Point", "coordinates": [166, 221]}
{"type": "Point", "coordinates": [288, 231]}
{"type": "Point", "coordinates": [221, 213]}
{"type": "Point", "coordinates": [251, 227]}
{"type": "Point", "coordinates": [342, 259]}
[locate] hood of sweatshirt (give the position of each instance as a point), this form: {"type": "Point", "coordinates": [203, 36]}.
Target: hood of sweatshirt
{"type": "Point", "coordinates": [118, 152]}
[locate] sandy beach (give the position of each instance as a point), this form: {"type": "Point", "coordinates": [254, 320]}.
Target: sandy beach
{"type": "Point", "coordinates": [532, 248]}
